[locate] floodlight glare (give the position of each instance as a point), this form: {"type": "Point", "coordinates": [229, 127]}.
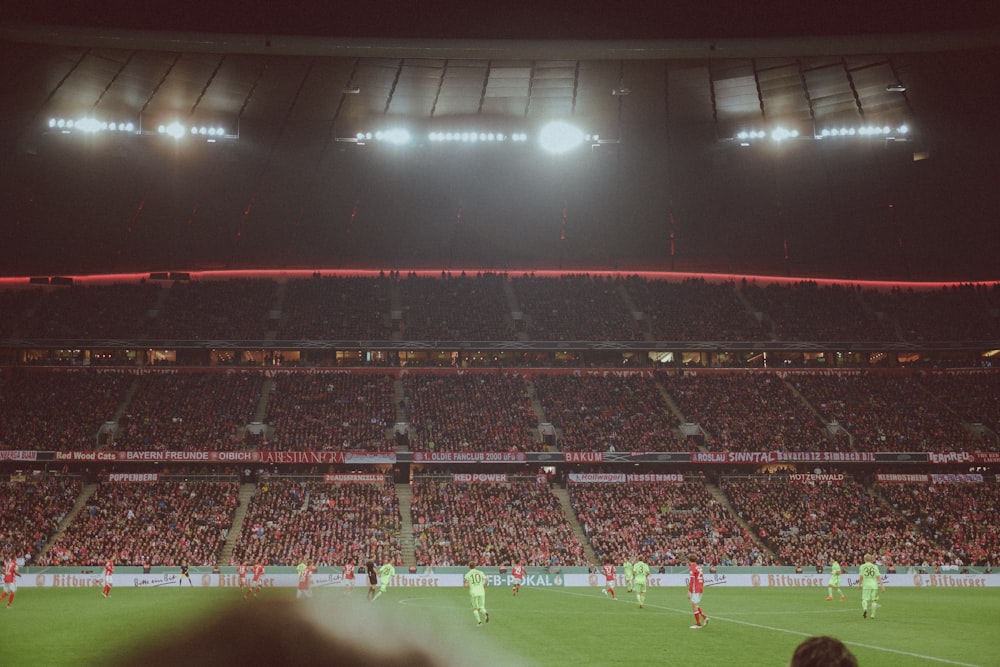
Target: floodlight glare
{"type": "Point", "coordinates": [397, 136]}
{"type": "Point", "coordinates": [175, 130]}
{"type": "Point", "coordinates": [560, 137]}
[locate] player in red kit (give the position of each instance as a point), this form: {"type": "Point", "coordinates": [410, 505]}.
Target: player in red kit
{"type": "Point", "coordinates": [348, 574]}
{"type": "Point", "coordinates": [609, 578]}
{"type": "Point", "coordinates": [109, 569]}
{"type": "Point", "coordinates": [241, 575]}
{"type": "Point", "coordinates": [696, 584]}
{"type": "Point", "coordinates": [517, 571]}
{"type": "Point", "coordinates": [10, 575]}
{"type": "Point", "coordinates": [256, 581]}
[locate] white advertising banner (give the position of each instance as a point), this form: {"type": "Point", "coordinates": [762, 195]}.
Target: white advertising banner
{"type": "Point", "coordinates": [546, 580]}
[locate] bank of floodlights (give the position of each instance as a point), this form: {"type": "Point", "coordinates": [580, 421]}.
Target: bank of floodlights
{"type": "Point", "coordinates": [776, 135]}
{"type": "Point", "coordinates": [556, 137]}
{"type": "Point", "coordinates": [179, 131]}
{"type": "Point", "coordinates": [90, 125]}
{"type": "Point", "coordinates": [779, 134]}
{"type": "Point", "coordinates": [176, 130]}
{"type": "Point", "coordinates": [900, 131]}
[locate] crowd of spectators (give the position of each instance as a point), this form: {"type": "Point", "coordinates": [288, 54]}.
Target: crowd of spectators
{"type": "Point", "coordinates": [189, 411]}
{"type": "Point", "coordinates": [291, 520]}
{"type": "Point", "coordinates": [470, 412]}
{"type": "Point", "coordinates": [597, 413]}
{"type": "Point", "coordinates": [948, 314]}
{"type": "Point", "coordinates": [119, 311]}
{"type": "Point", "coordinates": [973, 397]}
{"type": "Point", "coordinates": [476, 307]}
{"type": "Point", "coordinates": [663, 523]}
{"type": "Point", "coordinates": [809, 523]}
{"type": "Point", "coordinates": [57, 409]}
{"type": "Point", "coordinates": [811, 312]}
{"type": "Point", "coordinates": [155, 523]}
{"type": "Point", "coordinates": [575, 307]}
{"type": "Point", "coordinates": [491, 523]}
{"type": "Point", "coordinates": [336, 308]}
{"type": "Point", "coordinates": [456, 308]}
{"type": "Point", "coordinates": [16, 306]}
{"type": "Point", "coordinates": [887, 412]}
{"type": "Point", "coordinates": [748, 412]}
{"type": "Point", "coordinates": [754, 410]}
{"type": "Point", "coordinates": [959, 517]}
{"type": "Point", "coordinates": [234, 309]}
{"type": "Point", "coordinates": [31, 507]}
{"type": "Point", "coordinates": [694, 310]}
{"type": "Point", "coordinates": [330, 411]}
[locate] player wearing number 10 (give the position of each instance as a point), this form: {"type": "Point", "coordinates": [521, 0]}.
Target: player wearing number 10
{"type": "Point", "coordinates": [475, 581]}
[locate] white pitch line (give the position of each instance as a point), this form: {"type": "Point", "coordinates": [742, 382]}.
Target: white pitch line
{"type": "Point", "coordinates": [792, 632]}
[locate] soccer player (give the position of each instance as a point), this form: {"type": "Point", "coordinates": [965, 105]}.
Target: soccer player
{"type": "Point", "coordinates": [870, 583]}
{"type": "Point", "coordinates": [257, 574]}
{"type": "Point", "coordinates": [629, 577]}
{"type": "Point", "coordinates": [640, 573]}
{"type": "Point", "coordinates": [696, 585]}
{"type": "Point", "coordinates": [835, 572]}
{"type": "Point", "coordinates": [305, 571]}
{"type": "Point", "coordinates": [517, 571]}
{"type": "Point", "coordinates": [10, 575]}
{"type": "Point", "coordinates": [241, 576]}
{"type": "Point", "coordinates": [385, 573]}
{"type": "Point", "coordinates": [476, 582]}
{"type": "Point", "coordinates": [109, 569]}
{"type": "Point", "coordinates": [372, 578]}
{"type": "Point", "coordinates": [348, 574]}
{"type": "Point", "coordinates": [185, 574]}
{"type": "Point", "coordinates": [609, 578]}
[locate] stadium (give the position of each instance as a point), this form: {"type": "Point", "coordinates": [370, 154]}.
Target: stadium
{"type": "Point", "coordinates": [444, 289]}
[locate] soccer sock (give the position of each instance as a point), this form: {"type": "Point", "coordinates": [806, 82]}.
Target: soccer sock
{"type": "Point", "coordinates": [612, 591]}
{"type": "Point", "coordinates": [699, 612]}
{"type": "Point", "coordinates": [3, 595]}
{"type": "Point", "coordinates": [697, 619]}
{"type": "Point", "coordinates": [475, 612]}
{"type": "Point", "coordinates": [11, 600]}
{"type": "Point", "coordinates": [377, 595]}
{"type": "Point", "coordinates": [829, 591]}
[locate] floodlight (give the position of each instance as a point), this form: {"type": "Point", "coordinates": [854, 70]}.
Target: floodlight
{"type": "Point", "coordinates": [560, 137]}
{"type": "Point", "coordinates": [174, 129]}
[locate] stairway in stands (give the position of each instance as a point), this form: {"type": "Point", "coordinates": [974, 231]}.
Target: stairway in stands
{"type": "Point", "coordinates": [406, 542]}
{"type": "Point", "coordinates": [246, 493]}
{"type": "Point", "coordinates": [588, 551]}
{"type": "Point", "coordinates": [81, 502]}
{"type": "Point", "coordinates": [723, 500]}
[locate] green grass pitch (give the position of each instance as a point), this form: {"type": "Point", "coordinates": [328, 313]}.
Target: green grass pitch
{"type": "Point", "coordinates": [541, 626]}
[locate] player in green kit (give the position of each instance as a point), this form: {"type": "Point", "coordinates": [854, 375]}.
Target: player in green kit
{"type": "Point", "coordinates": [476, 582]}
{"type": "Point", "coordinates": [640, 573]}
{"type": "Point", "coordinates": [870, 583]}
{"type": "Point", "coordinates": [835, 572]}
{"type": "Point", "coordinates": [385, 573]}
{"type": "Point", "coordinates": [629, 576]}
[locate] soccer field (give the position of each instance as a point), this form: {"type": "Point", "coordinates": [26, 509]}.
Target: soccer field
{"type": "Point", "coordinates": [541, 626]}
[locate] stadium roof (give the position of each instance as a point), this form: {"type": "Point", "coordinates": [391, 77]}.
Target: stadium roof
{"type": "Point", "coordinates": [671, 183]}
